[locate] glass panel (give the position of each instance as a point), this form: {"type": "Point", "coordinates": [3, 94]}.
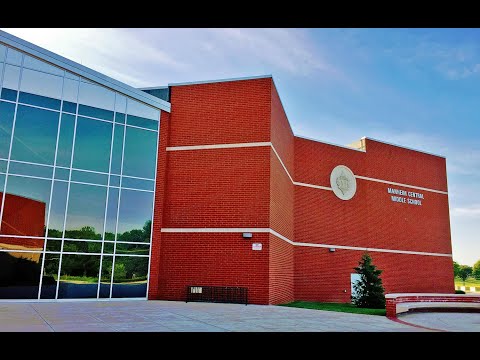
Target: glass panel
{"type": "Point", "coordinates": [130, 277]}
{"type": "Point", "coordinates": [82, 246]}
{"type": "Point", "coordinates": [135, 216]}
{"type": "Point", "coordinates": [39, 83]}
{"type": "Point", "coordinates": [57, 209]}
{"type": "Point", "coordinates": [120, 118]}
{"type": "Point", "coordinates": [3, 167]}
{"type": "Point", "coordinates": [32, 170]}
{"type": "Point", "coordinates": [8, 94]}
{"type": "Point", "coordinates": [35, 135]}
{"type": "Point", "coordinates": [79, 276]}
{"type": "Point", "coordinates": [7, 111]}
{"type": "Point", "coordinates": [13, 243]}
{"type": "Point", "coordinates": [108, 248]}
{"type": "Point", "coordinates": [38, 100]}
{"type": "Point", "coordinates": [69, 107]}
{"type": "Point", "coordinates": [142, 122]}
{"type": "Point", "coordinates": [54, 245]}
{"type": "Point", "coordinates": [50, 275]}
{"type": "Point", "coordinates": [92, 145]}
{"type": "Point", "coordinates": [89, 177]}
{"type": "Point", "coordinates": [14, 56]}
{"type": "Point", "coordinates": [20, 275]}
{"type": "Point", "coordinates": [114, 180]}
{"type": "Point", "coordinates": [111, 214]}
{"type": "Point", "coordinates": [2, 184]}
{"type": "Point", "coordinates": [65, 141]}
{"type": "Point", "coordinates": [133, 249]}
{"type": "Point", "coordinates": [95, 112]}
{"type": "Point", "coordinates": [86, 211]}
{"type": "Point", "coordinates": [120, 103]}
{"type": "Point", "coordinates": [138, 183]}
{"type": "Point", "coordinates": [70, 91]}
{"type": "Point", "coordinates": [36, 64]}
{"type": "Point", "coordinates": [61, 173]}
{"type": "Point", "coordinates": [140, 153]}
{"type": "Point", "coordinates": [117, 149]}
{"type": "Point", "coordinates": [11, 77]}
{"type": "Point", "coordinates": [26, 205]}
{"type": "Point", "coordinates": [96, 96]}
{"type": "Point", "coordinates": [106, 278]}
{"type": "Point", "coordinates": [3, 51]}
{"type": "Point", "coordinates": [139, 109]}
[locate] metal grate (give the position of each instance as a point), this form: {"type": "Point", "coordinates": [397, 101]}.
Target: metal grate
{"type": "Point", "coordinates": [217, 294]}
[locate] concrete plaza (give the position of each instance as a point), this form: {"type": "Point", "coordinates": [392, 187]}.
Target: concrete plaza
{"type": "Point", "coordinates": [170, 316]}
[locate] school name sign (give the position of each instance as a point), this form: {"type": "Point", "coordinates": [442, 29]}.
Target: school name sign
{"type": "Point", "coordinates": [406, 197]}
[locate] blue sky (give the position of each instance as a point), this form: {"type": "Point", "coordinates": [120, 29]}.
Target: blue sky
{"type": "Point", "coordinates": [414, 87]}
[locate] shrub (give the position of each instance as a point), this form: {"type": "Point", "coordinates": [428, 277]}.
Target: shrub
{"type": "Point", "coordinates": [459, 292]}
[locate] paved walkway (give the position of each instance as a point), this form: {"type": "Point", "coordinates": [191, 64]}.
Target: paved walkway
{"type": "Point", "coordinates": [445, 321]}
{"type": "Point", "coordinates": [179, 316]}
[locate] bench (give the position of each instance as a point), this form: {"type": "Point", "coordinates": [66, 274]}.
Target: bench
{"type": "Point", "coordinates": [400, 303]}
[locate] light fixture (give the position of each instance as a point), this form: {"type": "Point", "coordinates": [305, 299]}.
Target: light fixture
{"type": "Point", "coordinates": [247, 235]}
{"type": "Point", "coordinates": [331, 249]}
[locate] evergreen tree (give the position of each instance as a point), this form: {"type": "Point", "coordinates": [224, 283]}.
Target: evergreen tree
{"type": "Point", "coordinates": [369, 289]}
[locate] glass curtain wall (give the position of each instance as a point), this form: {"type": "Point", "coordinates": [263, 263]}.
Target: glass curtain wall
{"type": "Point", "coordinates": [77, 180]}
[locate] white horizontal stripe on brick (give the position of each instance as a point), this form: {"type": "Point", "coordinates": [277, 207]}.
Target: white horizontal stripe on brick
{"type": "Point", "coordinates": [215, 230]}
{"type": "Point", "coordinates": [281, 162]}
{"type": "Point", "coordinates": [280, 236]}
{"type": "Point", "coordinates": [371, 249]}
{"type": "Point", "coordinates": [284, 238]}
{"type": "Point", "coordinates": [218, 146]}
{"type": "Point", "coordinates": [258, 144]}
{"type": "Point", "coordinates": [400, 184]}
{"type": "Point", "coordinates": [312, 186]}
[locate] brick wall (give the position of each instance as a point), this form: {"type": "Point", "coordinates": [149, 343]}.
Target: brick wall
{"type": "Point", "coordinates": [247, 187]}
{"type": "Point", "coordinates": [321, 275]}
{"type": "Point", "coordinates": [281, 271]}
{"type": "Point", "coordinates": [281, 205]}
{"type": "Point", "coordinates": [213, 259]}
{"type": "Point", "coordinates": [217, 188]}
{"type": "Point", "coordinates": [370, 219]}
{"type": "Point", "coordinates": [220, 113]}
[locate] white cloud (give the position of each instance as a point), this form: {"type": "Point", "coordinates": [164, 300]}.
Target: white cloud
{"type": "Point", "coordinates": [470, 211]}
{"type": "Point", "coordinates": [149, 57]}
{"type": "Point", "coordinates": [453, 61]}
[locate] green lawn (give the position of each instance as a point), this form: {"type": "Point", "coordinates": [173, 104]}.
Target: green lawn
{"type": "Point", "coordinates": [469, 282]}
{"type": "Point", "coordinates": [346, 307]}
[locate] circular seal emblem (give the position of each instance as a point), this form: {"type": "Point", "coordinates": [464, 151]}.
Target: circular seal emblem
{"type": "Point", "coordinates": [343, 182]}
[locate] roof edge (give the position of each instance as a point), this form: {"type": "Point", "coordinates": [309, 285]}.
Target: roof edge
{"type": "Point", "coordinates": [153, 87]}
{"type": "Point", "coordinates": [221, 80]}
{"type": "Point", "coordinates": [329, 143]}
{"type": "Point", "coordinates": [401, 146]}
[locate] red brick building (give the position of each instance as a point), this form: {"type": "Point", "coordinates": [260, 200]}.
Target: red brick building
{"type": "Point", "coordinates": [229, 164]}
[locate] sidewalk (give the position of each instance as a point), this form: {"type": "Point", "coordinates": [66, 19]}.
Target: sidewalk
{"type": "Point", "coordinates": [180, 316]}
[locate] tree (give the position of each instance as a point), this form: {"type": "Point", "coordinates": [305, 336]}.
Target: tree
{"type": "Point", "coordinates": [465, 272]}
{"type": "Point", "coordinates": [476, 270]}
{"type": "Point", "coordinates": [369, 289]}
{"type": "Point", "coordinates": [456, 269]}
